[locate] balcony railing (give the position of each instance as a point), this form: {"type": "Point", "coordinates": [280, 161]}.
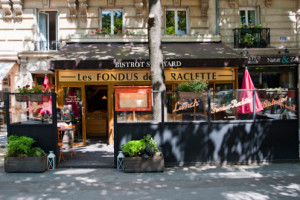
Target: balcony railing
{"type": "Point", "coordinates": [251, 37]}
{"type": "Point", "coordinates": [46, 45]}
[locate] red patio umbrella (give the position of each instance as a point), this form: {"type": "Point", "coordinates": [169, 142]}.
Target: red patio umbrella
{"type": "Point", "coordinates": [248, 108]}
{"type": "Point", "coordinates": [48, 107]}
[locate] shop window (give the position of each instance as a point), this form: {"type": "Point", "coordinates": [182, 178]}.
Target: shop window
{"type": "Point", "coordinates": [248, 16]}
{"type": "Point", "coordinates": [112, 21]}
{"type": "Point", "coordinates": [47, 31]}
{"type": "Point", "coordinates": [271, 77]}
{"type": "Point", "coordinates": [184, 110]}
{"type": "Point", "coordinates": [176, 22]}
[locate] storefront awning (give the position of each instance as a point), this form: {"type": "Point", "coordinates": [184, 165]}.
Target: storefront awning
{"type": "Point", "coordinates": [4, 69]}
{"type": "Point", "coordinates": [136, 55]}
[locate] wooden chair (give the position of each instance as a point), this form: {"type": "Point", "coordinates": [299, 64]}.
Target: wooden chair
{"type": "Point", "coordinates": [71, 140]}
{"type": "Point", "coordinates": [60, 144]}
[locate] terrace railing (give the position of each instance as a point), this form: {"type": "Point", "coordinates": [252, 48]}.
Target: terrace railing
{"type": "Point", "coordinates": [251, 37]}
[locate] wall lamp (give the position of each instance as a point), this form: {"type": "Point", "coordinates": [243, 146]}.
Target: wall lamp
{"type": "Point", "coordinates": [286, 50]}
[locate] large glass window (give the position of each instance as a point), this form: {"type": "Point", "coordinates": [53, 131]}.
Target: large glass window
{"type": "Point", "coordinates": [176, 22]}
{"type": "Point", "coordinates": [30, 109]}
{"type": "Point", "coordinates": [248, 16]}
{"type": "Point", "coordinates": [112, 21]}
{"type": "Point", "coordinates": [271, 77]}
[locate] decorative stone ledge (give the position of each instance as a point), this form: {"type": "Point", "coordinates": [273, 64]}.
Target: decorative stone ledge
{"type": "Point", "coordinates": [82, 8]}
{"type": "Point", "coordinates": [7, 8]}
{"type": "Point", "coordinates": [176, 2]}
{"type": "Point", "coordinates": [110, 2]}
{"type": "Point", "coordinates": [139, 7]}
{"type": "Point", "coordinates": [142, 38]}
{"type": "Point", "coordinates": [204, 5]}
{"type": "Point", "coordinates": [17, 7]}
{"type": "Point", "coordinates": [72, 7]}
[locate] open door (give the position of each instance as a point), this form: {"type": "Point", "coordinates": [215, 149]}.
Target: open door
{"type": "Point", "coordinates": [44, 30]}
{"type": "Point", "coordinates": [96, 112]}
{"type": "Point", "coordinates": [73, 111]}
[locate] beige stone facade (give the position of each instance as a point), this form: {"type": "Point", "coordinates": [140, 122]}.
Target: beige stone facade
{"type": "Point", "coordinates": [207, 21]}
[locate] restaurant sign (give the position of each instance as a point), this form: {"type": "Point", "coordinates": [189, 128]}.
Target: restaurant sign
{"type": "Point", "coordinates": [170, 75]}
{"type": "Point", "coordinates": [266, 104]}
{"type": "Point", "coordinates": [271, 60]}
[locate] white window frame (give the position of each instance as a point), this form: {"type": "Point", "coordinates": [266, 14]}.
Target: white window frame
{"type": "Point", "coordinates": [176, 18]}
{"type": "Point", "coordinates": [48, 24]}
{"type": "Point", "coordinates": [112, 26]}
{"type": "Point", "coordinates": [246, 9]}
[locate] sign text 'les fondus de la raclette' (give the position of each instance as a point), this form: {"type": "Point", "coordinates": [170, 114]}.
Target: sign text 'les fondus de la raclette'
{"type": "Point", "coordinates": [170, 75]}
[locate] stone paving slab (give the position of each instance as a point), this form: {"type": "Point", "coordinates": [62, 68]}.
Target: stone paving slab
{"type": "Point", "coordinates": [242, 182]}
{"type": "Point", "coordinates": [3, 139]}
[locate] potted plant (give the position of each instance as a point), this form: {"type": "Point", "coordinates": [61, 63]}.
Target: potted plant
{"type": "Point", "coordinates": [36, 95]}
{"type": "Point", "coordinates": [192, 90]}
{"type": "Point", "coordinates": [142, 156]}
{"type": "Point", "coordinates": [21, 157]}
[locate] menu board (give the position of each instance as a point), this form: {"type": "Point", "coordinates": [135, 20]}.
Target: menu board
{"type": "Point", "coordinates": [133, 98]}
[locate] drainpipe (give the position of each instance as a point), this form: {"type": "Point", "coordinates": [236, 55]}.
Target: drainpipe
{"type": "Point", "coordinates": [217, 17]}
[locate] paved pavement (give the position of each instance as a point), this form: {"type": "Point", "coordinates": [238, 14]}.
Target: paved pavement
{"type": "Point", "coordinates": [3, 139]}
{"type": "Point", "coordinates": [251, 182]}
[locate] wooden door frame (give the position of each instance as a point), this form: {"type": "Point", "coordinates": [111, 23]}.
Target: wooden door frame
{"type": "Point", "coordinates": [60, 103]}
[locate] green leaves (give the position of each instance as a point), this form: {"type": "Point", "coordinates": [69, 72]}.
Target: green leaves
{"type": "Point", "coordinates": [19, 146]}
{"type": "Point", "coordinates": [134, 148]}
{"type": "Point", "coordinates": [194, 86]}
{"type": "Point", "coordinates": [144, 147]}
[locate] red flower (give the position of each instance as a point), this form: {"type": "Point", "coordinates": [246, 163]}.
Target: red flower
{"type": "Point", "coordinates": [27, 86]}
{"type": "Point", "coordinates": [101, 30]}
{"type": "Point", "coordinates": [97, 30]}
{"type": "Point", "coordinates": [92, 31]}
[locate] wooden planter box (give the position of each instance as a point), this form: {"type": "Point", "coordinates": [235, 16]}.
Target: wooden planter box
{"type": "Point", "coordinates": [21, 97]}
{"type": "Point", "coordinates": [35, 97]}
{"type": "Point", "coordinates": [190, 95]}
{"type": "Point", "coordinates": [139, 164]}
{"type": "Point", "coordinates": [26, 164]}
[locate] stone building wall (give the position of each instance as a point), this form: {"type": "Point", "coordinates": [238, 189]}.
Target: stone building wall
{"type": "Point", "coordinates": [278, 15]}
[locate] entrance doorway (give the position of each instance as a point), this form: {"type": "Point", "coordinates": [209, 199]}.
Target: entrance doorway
{"type": "Point", "coordinates": [96, 113]}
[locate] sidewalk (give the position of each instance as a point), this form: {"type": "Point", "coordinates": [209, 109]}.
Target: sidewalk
{"type": "Point", "coordinates": [3, 143]}
{"type": "Point", "coordinates": [250, 182]}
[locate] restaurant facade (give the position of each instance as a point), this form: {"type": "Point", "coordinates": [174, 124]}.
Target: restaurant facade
{"type": "Point", "coordinates": [86, 52]}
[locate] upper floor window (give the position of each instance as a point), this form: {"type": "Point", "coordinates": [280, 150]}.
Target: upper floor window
{"type": "Point", "coordinates": [47, 38]}
{"type": "Point", "coordinates": [248, 16]}
{"type": "Point", "coordinates": [176, 21]}
{"type": "Point", "coordinates": [112, 21]}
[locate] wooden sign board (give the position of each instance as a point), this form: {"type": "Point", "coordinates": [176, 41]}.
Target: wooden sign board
{"type": "Point", "coordinates": [136, 76]}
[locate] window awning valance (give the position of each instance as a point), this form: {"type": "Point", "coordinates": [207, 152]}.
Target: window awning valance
{"type": "Point", "coordinates": [136, 55]}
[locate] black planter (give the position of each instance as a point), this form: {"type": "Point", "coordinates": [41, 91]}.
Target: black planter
{"type": "Point", "coordinates": [25, 165]}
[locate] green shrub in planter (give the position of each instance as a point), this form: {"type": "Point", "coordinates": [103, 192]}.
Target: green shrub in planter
{"type": "Point", "coordinates": [141, 156]}
{"type": "Point", "coordinates": [21, 157]}
{"type": "Point", "coordinates": [134, 148]}
{"type": "Point", "coordinates": [19, 146]}
{"type": "Point", "coordinates": [145, 147]}
{"type": "Point", "coordinates": [36, 152]}
{"type": "Point", "coordinates": [193, 86]}
{"type": "Point", "coordinates": [151, 147]}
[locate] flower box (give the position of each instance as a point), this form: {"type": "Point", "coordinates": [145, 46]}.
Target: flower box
{"type": "Point", "coordinates": [25, 165]}
{"type": "Point", "coordinates": [139, 164]}
{"type": "Point", "coordinates": [22, 97]}
{"type": "Point", "coordinates": [35, 97]}
{"type": "Point", "coordinates": [190, 95]}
